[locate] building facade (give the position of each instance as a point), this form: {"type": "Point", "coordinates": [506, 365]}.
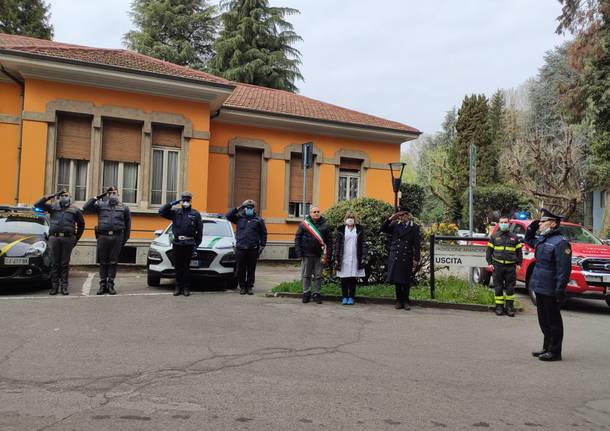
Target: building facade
{"type": "Point", "coordinates": [84, 118]}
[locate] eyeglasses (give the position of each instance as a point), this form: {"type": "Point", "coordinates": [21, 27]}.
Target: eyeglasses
{"type": "Point", "coordinates": [316, 212]}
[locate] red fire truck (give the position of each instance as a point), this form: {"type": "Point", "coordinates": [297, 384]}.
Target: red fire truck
{"type": "Point", "coordinates": [590, 277]}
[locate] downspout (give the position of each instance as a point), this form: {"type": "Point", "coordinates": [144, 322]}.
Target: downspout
{"type": "Point", "coordinates": [20, 132]}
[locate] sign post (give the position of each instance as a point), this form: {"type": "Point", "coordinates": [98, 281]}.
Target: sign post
{"type": "Point", "coordinates": [306, 162]}
{"type": "Point", "coordinates": [472, 182]}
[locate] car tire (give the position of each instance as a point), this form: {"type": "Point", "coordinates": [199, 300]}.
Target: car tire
{"type": "Point", "coordinates": [481, 276]}
{"type": "Point", "coordinates": [153, 280]}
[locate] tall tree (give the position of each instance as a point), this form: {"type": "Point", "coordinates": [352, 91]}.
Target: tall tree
{"type": "Point", "coordinates": [255, 45]}
{"type": "Point", "coordinates": [26, 18]}
{"type": "Point", "coordinates": [497, 127]}
{"type": "Point", "coordinates": [178, 31]}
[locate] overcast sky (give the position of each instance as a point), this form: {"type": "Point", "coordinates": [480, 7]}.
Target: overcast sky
{"type": "Point", "coordinates": [405, 60]}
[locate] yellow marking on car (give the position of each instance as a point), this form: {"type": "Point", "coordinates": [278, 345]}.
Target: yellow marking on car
{"type": "Point", "coordinates": [12, 244]}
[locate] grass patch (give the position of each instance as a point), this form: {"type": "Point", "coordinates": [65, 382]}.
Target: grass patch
{"type": "Point", "coordinates": [448, 289]}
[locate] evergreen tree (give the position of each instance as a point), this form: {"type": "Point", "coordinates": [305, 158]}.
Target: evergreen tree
{"type": "Point", "coordinates": [26, 18]}
{"type": "Point", "coordinates": [178, 31]}
{"type": "Point", "coordinates": [255, 45]}
{"type": "Point", "coordinates": [497, 128]}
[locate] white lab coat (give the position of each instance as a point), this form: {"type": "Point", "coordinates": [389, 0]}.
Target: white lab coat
{"type": "Point", "coordinates": [349, 264]}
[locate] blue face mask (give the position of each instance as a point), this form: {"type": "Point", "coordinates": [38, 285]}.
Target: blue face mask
{"type": "Point", "coordinates": [249, 211]}
{"type": "Point", "coordinates": [503, 227]}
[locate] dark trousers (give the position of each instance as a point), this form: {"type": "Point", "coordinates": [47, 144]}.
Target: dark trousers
{"type": "Point", "coordinates": [348, 287]}
{"type": "Point", "coordinates": [504, 278]}
{"type": "Point", "coordinates": [182, 258]}
{"type": "Point", "coordinates": [108, 251]}
{"type": "Point", "coordinates": [60, 249]}
{"type": "Point", "coordinates": [402, 292]}
{"type": "Point", "coordinates": [246, 267]}
{"type": "Point", "coordinates": [551, 324]}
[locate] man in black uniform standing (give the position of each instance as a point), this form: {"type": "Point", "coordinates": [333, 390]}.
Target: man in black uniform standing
{"type": "Point", "coordinates": [187, 230]}
{"type": "Point", "coordinates": [549, 280]}
{"type": "Point", "coordinates": [67, 226]}
{"type": "Point", "coordinates": [505, 253]}
{"type": "Point", "coordinates": [251, 238]}
{"type": "Point", "coordinates": [404, 254]}
{"type": "Point", "coordinates": [112, 232]}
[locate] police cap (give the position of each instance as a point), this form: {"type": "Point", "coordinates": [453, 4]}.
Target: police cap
{"type": "Point", "coordinates": [547, 215]}
{"type": "Point", "coordinates": [186, 196]}
{"type": "Point", "coordinates": [248, 203]}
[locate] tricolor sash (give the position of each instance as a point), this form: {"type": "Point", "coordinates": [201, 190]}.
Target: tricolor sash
{"type": "Point", "coordinates": [313, 230]}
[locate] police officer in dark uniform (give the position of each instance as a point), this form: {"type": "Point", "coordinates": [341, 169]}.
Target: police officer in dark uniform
{"type": "Point", "coordinates": [112, 232]}
{"type": "Point", "coordinates": [67, 226]}
{"type": "Point", "coordinates": [187, 230]}
{"type": "Point", "coordinates": [251, 239]}
{"type": "Point", "coordinates": [549, 279]}
{"type": "Point", "coordinates": [404, 254]}
{"type": "Point", "coordinates": [505, 253]}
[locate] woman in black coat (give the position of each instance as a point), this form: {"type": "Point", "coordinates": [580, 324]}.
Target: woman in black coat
{"type": "Point", "coordinates": [404, 254]}
{"type": "Point", "coordinates": [350, 251]}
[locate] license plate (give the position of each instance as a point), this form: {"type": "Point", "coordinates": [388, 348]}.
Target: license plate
{"type": "Point", "coordinates": [16, 260]}
{"type": "Point", "coordinates": [194, 263]}
{"type": "Point", "coordinates": [606, 279]}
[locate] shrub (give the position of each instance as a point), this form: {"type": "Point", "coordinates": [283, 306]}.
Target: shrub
{"type": "Point", "coordinates": [489, 202]}
{"type": "Point", "coordinates": [371, 213]}
{"type": "Point", "coordinates": [412, 198]}
{"type": "Point", "coordinates": [422, 271]}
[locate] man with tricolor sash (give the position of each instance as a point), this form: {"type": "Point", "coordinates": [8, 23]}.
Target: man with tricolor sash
{"type": "Point", "coordinates": [504, 252]}
{"type": "Point", "coordinates": [313, 243]}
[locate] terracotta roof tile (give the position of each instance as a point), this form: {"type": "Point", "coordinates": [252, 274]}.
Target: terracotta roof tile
{"type": "Point", "coordinates": [244, 96]}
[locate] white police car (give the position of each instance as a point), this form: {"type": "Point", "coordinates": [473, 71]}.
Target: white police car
{"type": "Point", "coordinates": [215, 255]}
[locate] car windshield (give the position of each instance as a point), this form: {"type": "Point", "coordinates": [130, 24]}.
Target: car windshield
{"type": "Point", "coordinates": [213, 228]}
{"type": "Point", "coordinates": [23, 223]}
{"type": "Point", "coordinates": [579, 235]}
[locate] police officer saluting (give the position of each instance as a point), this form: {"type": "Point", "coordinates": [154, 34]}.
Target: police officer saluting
{"type": "Point", "coordinates": [187, 230]}
{"type": "Point", "coordinates": [67, 226]}
{"type": "Point", "coordinates": [251, 239]}
{"type": "Point", "coordinates": [505, 253]}
{"type": "Point", "coordinates": [112, 232]}
{"type": "Point", "coordinates": [549, 279]}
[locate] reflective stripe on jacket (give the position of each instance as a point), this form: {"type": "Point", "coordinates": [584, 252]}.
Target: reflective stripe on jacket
{"type": "Point", "coordinates": [504, 248]}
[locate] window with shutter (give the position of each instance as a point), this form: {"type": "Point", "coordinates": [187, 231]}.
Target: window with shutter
{"type": "Point", "coordinates": [247, 178]}
{"type": "Point", "coordinates": [73, 151]}
{"type": "Point", "coordinates": [295, 199]}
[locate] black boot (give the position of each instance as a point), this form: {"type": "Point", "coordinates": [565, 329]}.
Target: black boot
{"type": "Point", "coordinates": [249, 291]}
{"type": "Point", "coordinates": [242, 290]}
{"type": "Point", "coordinates": [177, 291]}
{"type": "Point", "coordinates": [64, 290]}
{"type": "Point", "coordinates": [102, 288]}
{"type": "Point", "coordinates": [510, 311]}
{"type": "Point", "coordinates": [54, 289]}
{"type": "Point", "coordinates": [187, 291]}
{"type": "Point", "coordinates": [306, 297]}
{"type": "Point", "coordinates": [539, 352]}
{"type": "Point", "coordinates": [399, 305]}
{"type": "Point", "coordinates": [499, 309]}
{"type": "Point", "coordinates": [111, 289]}
{"type": "Point", "coordinates": [317, 297]}
{"type": "Point", "coordinates": [550, 357]}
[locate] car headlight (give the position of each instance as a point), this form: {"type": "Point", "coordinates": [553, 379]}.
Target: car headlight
{"type": "Point", "coordinates": [154, 255]}
{"type": "Point", "coordinates": [36, 249]}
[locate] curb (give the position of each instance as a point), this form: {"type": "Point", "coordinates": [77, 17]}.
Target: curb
{"type": "Point", "coordinates": [414, 302]}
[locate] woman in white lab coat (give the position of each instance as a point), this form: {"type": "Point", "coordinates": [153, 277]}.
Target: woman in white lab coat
{"type": "Point", "coordinates": [350, 252]}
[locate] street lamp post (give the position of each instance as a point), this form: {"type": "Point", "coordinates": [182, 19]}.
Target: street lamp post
{"type": "Point", "coordinates": [396, 170]}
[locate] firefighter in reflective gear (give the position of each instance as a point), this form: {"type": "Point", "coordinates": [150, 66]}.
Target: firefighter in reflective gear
{"type": "Point", "coordinates": [67, 226]}
{"type": "Point", "coordinates": [187, 231]}
{"type": "Point", "coordinates": [112, 232]}
{"type": "Point", "coordinates": [505, 253]}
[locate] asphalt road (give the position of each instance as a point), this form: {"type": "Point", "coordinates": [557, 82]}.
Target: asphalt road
{"type": "Point", "coordinates": [145, 360]}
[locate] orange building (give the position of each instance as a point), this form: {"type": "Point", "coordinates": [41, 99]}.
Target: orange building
{"type": "Point", "coordinates": [85, 118]}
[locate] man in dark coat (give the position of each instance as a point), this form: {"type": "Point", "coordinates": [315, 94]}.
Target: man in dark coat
{"type": "Point", "coordinates": [67, 226]}
{"type": "Point", "coordinates": [313, 243]}
{"type": "Point", "coordinates": [404, 254]}
{"type": "Point", "coordinates": [187, 230]}
{"type": "Point", "coordinates": [549, 279]}
{"type": "Point", "coordinates": [251, 239]}
{"type": "Point", "coordinates": [112, 232]}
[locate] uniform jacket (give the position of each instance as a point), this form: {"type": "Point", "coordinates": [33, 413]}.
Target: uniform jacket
{"type": "Point", "coordinates": [405, 242]}
{"type": "Point", "coordinates": [553, 262]}
{"type": "Point", "coordinates": [504, 247]}
{"type": "Point", "coordinates": [251, 230]}
{"type": "Point", "coordinates": [340, 242]}
{"type": "Point", "coordinates": [68, 220]}
{"type": "Point", "coordinates": [306, 245]}
{"type": "Point", "coordinates": [185, 222]}
{"type": "Point", "coordinates": [110, 217]}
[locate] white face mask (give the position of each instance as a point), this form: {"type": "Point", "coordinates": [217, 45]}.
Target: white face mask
{"type": "Point", "coordinates": [186, 204]}
{"type": "Point", "coordinates": [350, 221]}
